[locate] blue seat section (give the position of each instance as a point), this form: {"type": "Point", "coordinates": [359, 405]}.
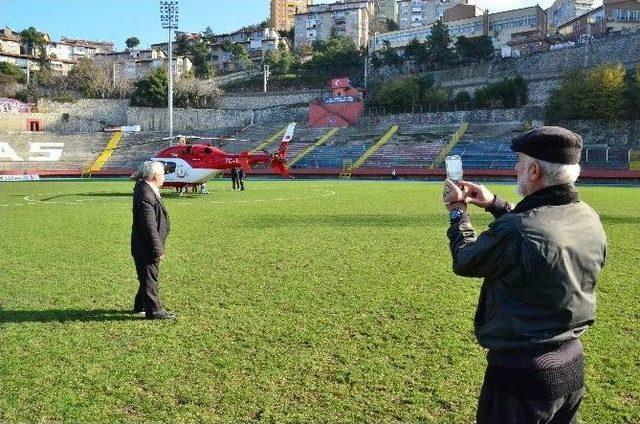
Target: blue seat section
{"type": "Point", "coordinates": [486, 154]}
{"type": "Point", "coordinates": [332, 156]}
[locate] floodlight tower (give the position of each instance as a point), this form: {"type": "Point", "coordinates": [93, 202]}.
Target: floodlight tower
{"type": "Point", "coordinates": [169, 20]}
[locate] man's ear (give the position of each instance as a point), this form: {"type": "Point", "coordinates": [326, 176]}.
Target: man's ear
{"type": "Point", "coordinates": [536, 172]}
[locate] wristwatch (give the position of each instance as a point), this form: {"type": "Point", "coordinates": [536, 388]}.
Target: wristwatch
{"type": "Point", "coordinates": [455, 214]}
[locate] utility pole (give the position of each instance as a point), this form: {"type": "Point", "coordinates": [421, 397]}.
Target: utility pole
{"type": "Point", "coordinates": [265, 72]}
{"type": "Point", "coordinates": [169, 19]}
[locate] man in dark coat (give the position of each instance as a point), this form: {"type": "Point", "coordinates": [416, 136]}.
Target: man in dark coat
{"type": "Point", "coordinates": [149, 233]}
{"type": "Point", "coordinates": [234, 178]}
{"type": "Point", "coordinates": [540, 261]}
{"type": "Point", "coordinates": [241, 179]}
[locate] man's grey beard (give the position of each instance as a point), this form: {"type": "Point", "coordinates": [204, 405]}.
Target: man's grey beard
{"type": "Point", "coordinates": [522, 185]}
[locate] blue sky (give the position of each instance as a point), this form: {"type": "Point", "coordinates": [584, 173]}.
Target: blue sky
{"type": "Point", "coordinates": [116, 20]}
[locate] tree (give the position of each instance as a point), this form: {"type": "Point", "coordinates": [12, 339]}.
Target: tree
{"type": "Point", "coordinates": [200, 55]}
{"type": "Point", "coordinates": [132, 42]}
{"type": "Point", "coordinates": [474, 49]}
{"type": "Point", "coordinates": [241, 55]}
{"type": "Point", "coordinates": [88, 79]}
{"type": "Point", "coordinates": [508, 93]}
{"type": "Point", "coordinates": [632, 92]}
{"type": "Point", "coordinates": [391, 25]}
{"type": "Point", "coordinates": [208, 35]}
{"type": "Point", "coordinates": [33, 39]}
{"type": "Point", "coordinates": [439, 45]}
{"type": "Point", "coordinates": [12, 70]}
{"type": "Point", "coordinates": [416, 52]}
{"type": "Point", "coordinates": [599, 93]}
{"type": "Point", "coordinates": [390, 56]}
{"type": "Point", "coordinates": [337, 55]}
{"type": "Point", "coordinates": [151, 91]}
{"type": "Point", "coordinates": [463, 100]}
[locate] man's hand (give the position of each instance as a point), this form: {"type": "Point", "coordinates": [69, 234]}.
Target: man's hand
{"type": "Point", "coordinates": [454, 196]}
{"type": "Point", "coordinates": [477, 194]}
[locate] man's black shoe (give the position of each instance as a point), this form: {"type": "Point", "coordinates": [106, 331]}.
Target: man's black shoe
{"type": "Point", "coordinates": [161, 315]}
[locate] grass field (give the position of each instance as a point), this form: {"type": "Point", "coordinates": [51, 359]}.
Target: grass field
{"type": "Point", "coordinates": [320, 301]}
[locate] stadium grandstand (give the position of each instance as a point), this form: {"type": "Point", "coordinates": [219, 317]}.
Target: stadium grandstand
{"type": "Point", "coordinates": [357, 151]}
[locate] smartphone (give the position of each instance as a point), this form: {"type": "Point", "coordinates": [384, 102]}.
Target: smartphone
{"type": "Point", "coordinates": [454, 167]}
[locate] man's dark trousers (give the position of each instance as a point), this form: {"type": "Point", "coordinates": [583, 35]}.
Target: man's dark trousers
{"type": "Point", "coordinates": [147, 299]}
{"type": "Point", "coordinates": [498, 406]}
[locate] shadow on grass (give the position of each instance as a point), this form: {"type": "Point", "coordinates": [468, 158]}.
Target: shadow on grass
{"type": "Point", "coordinates": [347, 220]}
{"type": "Point", "coordinates": [64, 315]}
{"type": "Point", "coordinates": [98, 194]}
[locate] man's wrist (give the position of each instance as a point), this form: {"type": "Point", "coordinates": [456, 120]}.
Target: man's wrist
{"type": "Point", "coordinates": [456, 205]}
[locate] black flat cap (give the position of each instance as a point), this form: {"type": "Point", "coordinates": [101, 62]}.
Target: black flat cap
{"type": "Point", "coordinates": [551, 144]}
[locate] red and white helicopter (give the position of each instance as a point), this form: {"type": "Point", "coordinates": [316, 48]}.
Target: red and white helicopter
{"type": "Point", "coordinates": [189, 165]}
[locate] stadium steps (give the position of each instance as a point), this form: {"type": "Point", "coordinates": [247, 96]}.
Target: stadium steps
{"type": "Point", "coordinates": [266, 143]}
{"type": "Point", "coordinates": [78, 151]}
{"type": "Point", "coordinates": [455, 138]}
{"type": "Point", "coordinates": [377, 145]}
{"type": "Point", "coordinates": [322, 140]}
{"type": "Point", "coordinates": [411, 147]}
{"type": "Point", "coordinates": [104, 156]}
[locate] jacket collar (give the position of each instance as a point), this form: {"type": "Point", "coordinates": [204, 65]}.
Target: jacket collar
{"type": "Point", "coordinates": [549, 196]}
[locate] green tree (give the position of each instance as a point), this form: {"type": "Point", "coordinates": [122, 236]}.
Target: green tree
{"type": "Point", "coordinates": [391, 25]}
{"type": "Point", "coordinates": [88, 79]}
{"type": "Point", "coordinates": [200, 55]}
{"type": "Point", "coordinates": [599, 93]}
{"type": "Point", "coordinates": [132, 42]}
{"type": "Point", "coordinates": [632, 91]}
{"type": "Point", "coordinates": [151, 91]}
{"type": "Point", "coordinates": [509, 93]}
{"type": "Point", "coordinates": [416, 52]}
{"type": "Point", "coordinates": [241, 55]}
{"type": "Point", "coordinates": [10, 69]}
{"type": "Point", "coordinates": [439, 42]}
{"type": "Point", "coordinates": [390, 56]}
{"type": "Point", "coordinates": [474, 49]}
{"type": "Point", "coordinates": [208, 35]}
{"type": "Point", "coordinates": [463, 100]}
{"type": "Point", "coordinates": [33, 39]}
{"type": "Point", "coordinates": [337, 55]}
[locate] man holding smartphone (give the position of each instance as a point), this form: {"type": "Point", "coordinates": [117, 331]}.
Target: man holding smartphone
{"type": "Point", "coordinates": [540, 261]}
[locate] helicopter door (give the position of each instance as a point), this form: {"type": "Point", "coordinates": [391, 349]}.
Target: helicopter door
{"type": "Point", "coordinates": [169, 170]}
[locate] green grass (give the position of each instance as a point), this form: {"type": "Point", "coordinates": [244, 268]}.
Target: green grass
{"type": "Point", "coordinates": [320, 301]}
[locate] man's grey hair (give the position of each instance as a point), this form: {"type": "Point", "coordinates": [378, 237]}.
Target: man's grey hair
{"type": "Point", "coordinates": [152, 168]}
{"type": "Point", "coordinates": [555, 173]}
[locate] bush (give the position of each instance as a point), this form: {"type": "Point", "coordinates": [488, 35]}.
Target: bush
{"type": "Point", "coordinates": [151, 91]}
{"type": "Point", "coordinates": [509, 93]}
{"type": "Point", "coordinates": [13, 71]}
{"type": "Point", "coordinates": [607, 92]}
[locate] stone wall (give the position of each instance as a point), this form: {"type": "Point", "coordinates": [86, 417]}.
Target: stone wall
{"type": "Point", "coordinates": [617, 133]}
{"type": "Point", "coordinates": [107, 112]}
{"type": "Point", "coordinates": [534, 114]}
{"type": "Point", "coordinates": [543, 71]}
{"type": "Point", "coordinates": [54, 122]}
{"type": "Point", "coordinates": [154, 119]}
{"type": "Point", "coordinates": [267, 100]}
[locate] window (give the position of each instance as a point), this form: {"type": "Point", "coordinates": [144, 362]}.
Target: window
{"type": "Point", "coordinates": [169, 167]}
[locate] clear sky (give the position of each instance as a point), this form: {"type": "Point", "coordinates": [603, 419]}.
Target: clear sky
{"type": "Point", "coordinates": [116, 20]}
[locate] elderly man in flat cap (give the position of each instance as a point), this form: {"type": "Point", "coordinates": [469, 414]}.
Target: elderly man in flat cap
{"type": "Point", "coordinates": [540, 261]}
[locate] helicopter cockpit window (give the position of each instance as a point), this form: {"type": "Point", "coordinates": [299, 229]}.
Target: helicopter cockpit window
{"type": "Point", "coordinates": [207, 150]}
{"type": "Point", "coordinates": [169, 167]}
